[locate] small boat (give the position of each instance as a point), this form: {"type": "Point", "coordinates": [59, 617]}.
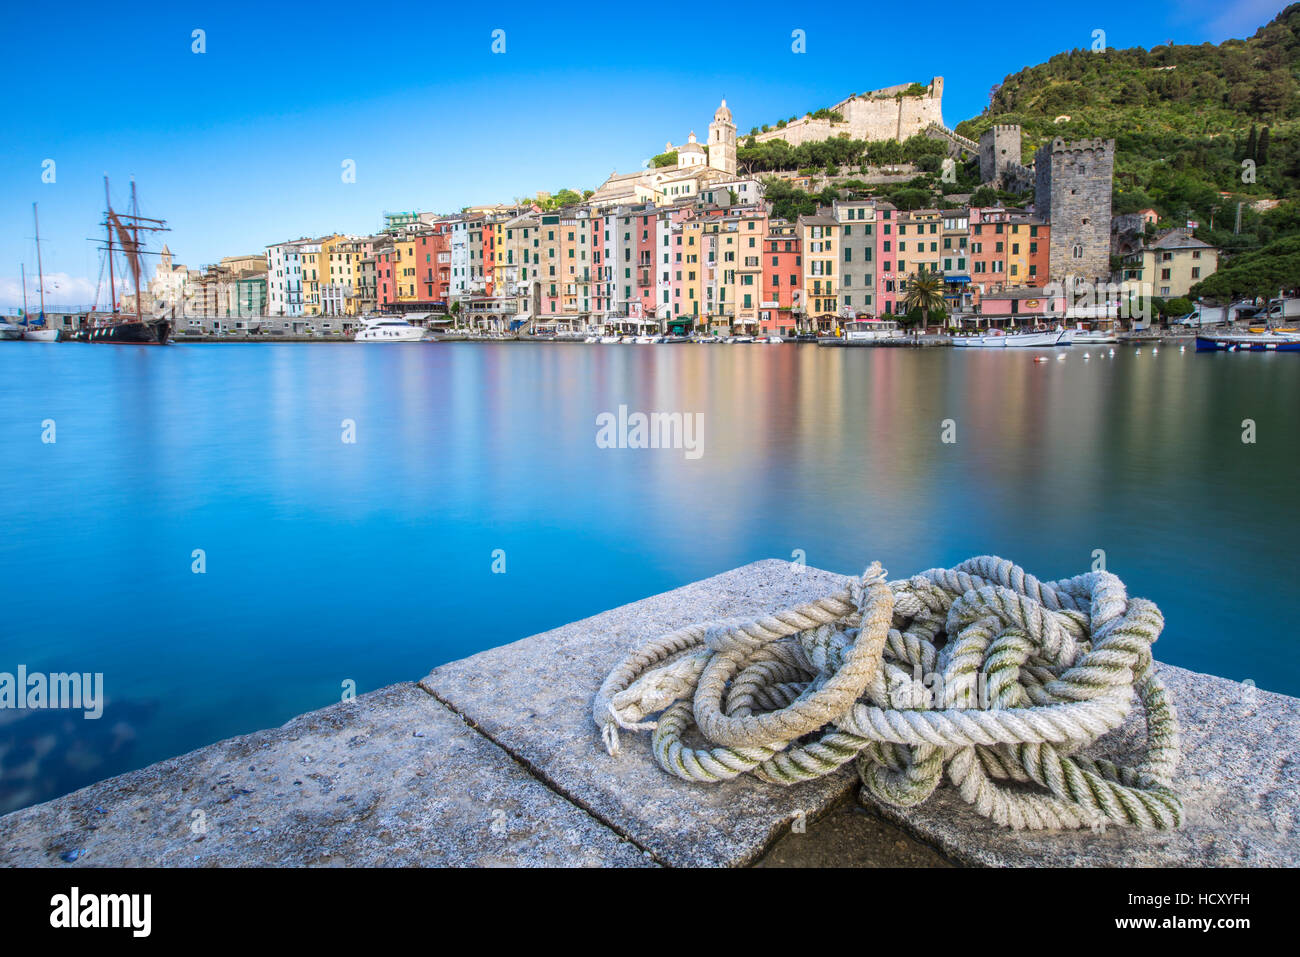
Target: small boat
{"type": "Point", "coordinates": [592, 339]}
{"type": "Point", "coordinates": [674, 339]}
{"type": "Point", "coordinates": [1249, 342]}
{"type": "Point", "coordinates": [388, 329]}
{"type": "Point", "coordinates": [863, 331]}
{"type": "Point", "coordinates": [10, 331]}
{"type": "Point", "coordinates": [610, 340]}
{"type": "Point", "coordinates": [36, 331]}
{"type": "Point", "coordinates": [741, 339]}
{"type": "Point", "coordinates": [771, 340]}
{"type": "Point", "coordinates": [1094, 337]}
{"type": "Point", "coordinates": [1014, 340]}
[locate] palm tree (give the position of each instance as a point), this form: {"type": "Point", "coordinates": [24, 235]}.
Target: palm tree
{"type": "Point", "coordinates": [924, 292]}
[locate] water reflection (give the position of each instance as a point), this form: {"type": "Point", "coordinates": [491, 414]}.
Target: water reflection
{"type": "Point", "coordinates": [329, 561]}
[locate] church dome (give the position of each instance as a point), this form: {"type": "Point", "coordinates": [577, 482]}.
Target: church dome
{"type": "Point", "coordinates": [723, 115]}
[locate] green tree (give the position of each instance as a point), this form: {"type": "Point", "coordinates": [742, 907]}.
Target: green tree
{"type": "Point", "coordinates": [924, 292]}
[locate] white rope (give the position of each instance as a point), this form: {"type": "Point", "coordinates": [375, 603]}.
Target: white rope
{"type": "Point", "coordinates": [981, 672]}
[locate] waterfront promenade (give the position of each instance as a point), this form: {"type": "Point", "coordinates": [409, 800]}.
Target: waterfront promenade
{"type": "Point", "coordinates": [493, 760]}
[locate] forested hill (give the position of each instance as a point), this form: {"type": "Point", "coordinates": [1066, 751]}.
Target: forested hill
{"type": "Point", "coordinates": [1204, 89]}
{"type": "Point", "coordinates": [1185, 119]}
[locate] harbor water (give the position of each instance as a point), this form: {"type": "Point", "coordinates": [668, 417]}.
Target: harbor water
{"type": "Point", "coordinates": [235, 534]}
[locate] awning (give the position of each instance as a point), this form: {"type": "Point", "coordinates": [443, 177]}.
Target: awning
{"type": "Point", "coordinates": [947, 278]}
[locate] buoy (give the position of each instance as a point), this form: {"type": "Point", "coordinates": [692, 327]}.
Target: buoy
{"type": "Point", "coordinates": [1087, 355]}
{"type": "Point", "coordinates": [1061, 357]}
{"type": "Point", "coordinates": [1182, 348]}
{"type": "Point", "coordinates": [1155, 351]}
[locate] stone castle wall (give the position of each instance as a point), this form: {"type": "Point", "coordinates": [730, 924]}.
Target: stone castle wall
{"type": "Point", "coordinates": [880, 115]}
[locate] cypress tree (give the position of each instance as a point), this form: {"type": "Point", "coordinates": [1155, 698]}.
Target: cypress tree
{"type": "Point", "coordinates": [1261, 149]}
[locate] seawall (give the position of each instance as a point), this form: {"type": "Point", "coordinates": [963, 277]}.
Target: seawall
{"type": "Point", "coordinates": [493, 760]}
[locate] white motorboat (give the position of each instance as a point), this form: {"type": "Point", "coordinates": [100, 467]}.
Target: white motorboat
{"type": "Point", "coordinates": [388, 329]}
{"type": "Point", "coordinates": [1001, 340]}
{"type": "Point", "coordinates": [873, 330]}
{"type": "Point", "coordinates": [9, 331]}
{"type": "Point", "coordinates": [592, 339]}
{"type": "Point", "coordinates": [40, 334]}
{"type": "Point", "coordinates": [610, 340]}
{"type": "Point", "coordinates": [771, 340]}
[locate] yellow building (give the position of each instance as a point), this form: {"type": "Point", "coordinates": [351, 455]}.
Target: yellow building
{"type": "Point", "coordinates": [820, 235]}
{"type": "Point", "coordinates": [315, 273]}
{"type": "Point", "coordinates": [405, 269]}
{"type": "Point", "coordinates": [733, 251]}
{"type": "Point", "coordinates": [1173, 264]}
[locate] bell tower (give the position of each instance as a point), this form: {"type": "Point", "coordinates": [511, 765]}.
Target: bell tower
{"type": "Point", "coordinates": [722, 141]}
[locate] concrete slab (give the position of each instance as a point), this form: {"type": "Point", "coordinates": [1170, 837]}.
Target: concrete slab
{"type": "Point", "coordinates": [1240, 780]}
{"type": "Point", "coordinates": [390, 779]}
{"type": "Point", "coordinates": [533, 697]}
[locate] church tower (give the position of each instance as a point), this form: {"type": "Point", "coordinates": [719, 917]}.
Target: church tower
{"type": "Point", "coordinates": [722, 141]}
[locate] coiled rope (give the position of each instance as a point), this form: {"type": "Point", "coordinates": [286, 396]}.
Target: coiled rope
{"type": "Point", "coordinates": [980, 670]}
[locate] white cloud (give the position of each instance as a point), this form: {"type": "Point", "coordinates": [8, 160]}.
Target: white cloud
{"type": "Point", "coordinates": [61, 289]}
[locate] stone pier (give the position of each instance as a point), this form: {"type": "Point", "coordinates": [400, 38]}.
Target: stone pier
{"type": "Point", "coordinates": [493, 760]}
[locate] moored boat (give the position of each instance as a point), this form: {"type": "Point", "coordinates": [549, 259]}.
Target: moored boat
{"type": "Point", "coordinates": [388, 329]}
{"type": "Point", "coordinates": [1016, 340]}
{"type": "Point", "coordinates": [126, 328]}
{"type": "Point", "coordinates": [868, 331]}
{"type": "Point", "coordinates": [1249, 342]}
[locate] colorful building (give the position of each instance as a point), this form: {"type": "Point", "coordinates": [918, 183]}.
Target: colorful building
{"type": "Point", "coordinates": [781, 311]}
{"type": "Point", "coordinates": [821, 234]}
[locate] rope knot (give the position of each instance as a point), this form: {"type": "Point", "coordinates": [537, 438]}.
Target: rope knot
{"type": "Point", "coordinates": [980, 671]}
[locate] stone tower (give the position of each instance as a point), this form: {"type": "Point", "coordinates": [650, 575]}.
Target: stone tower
{"type": "Point", "coordinates": [999, 149]}
{"type": "Point", "coordinates": [722, 141]}
{"type": "Point", "coordinates": [1072, 192]}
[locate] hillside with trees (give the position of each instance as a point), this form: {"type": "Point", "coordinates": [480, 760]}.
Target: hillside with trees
{"type": "Point", "coordinates": [1198, 130]}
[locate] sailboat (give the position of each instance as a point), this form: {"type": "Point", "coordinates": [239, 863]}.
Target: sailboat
{"type": "Point", "coordinates": [37, 331]}
{"type": "Point", "coordinates": [125, 328]}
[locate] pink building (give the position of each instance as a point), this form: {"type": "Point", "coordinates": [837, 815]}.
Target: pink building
{"type": "Point", "coordinates": [888, 277]}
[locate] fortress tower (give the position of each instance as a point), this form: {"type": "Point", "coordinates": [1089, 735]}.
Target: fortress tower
{"type": "Point", "coordinates": [999, 149]}
{"type": "Point", "coordinates": [722, 141]}
{"type": "Point", "coordinates": [1072, 192]}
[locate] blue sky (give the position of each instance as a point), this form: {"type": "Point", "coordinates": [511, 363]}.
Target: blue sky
{"type": "Point", "coordinates": [243, 145]}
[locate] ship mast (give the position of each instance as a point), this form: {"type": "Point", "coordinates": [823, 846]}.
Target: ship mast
{"type": "Point", "coordinates": [108, 223]}
{"type": "Point", "coordinates": [135, 249]}
{"type": "Point", "coordinates": [23, 268]}
{"type": "Point", "coordinates": [128, 226]}
{"type": "Point", "coordinates": [40, 273]}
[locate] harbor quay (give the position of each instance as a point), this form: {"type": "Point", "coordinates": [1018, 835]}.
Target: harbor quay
{"type": "Point", "coordinates": [493, 760]}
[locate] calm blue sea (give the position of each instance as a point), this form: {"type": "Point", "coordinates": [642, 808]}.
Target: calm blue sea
{"type": "Point", "coordinates": [372, 561]}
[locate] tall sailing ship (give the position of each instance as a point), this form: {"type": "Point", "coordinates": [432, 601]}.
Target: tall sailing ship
{"type": "Point", "coordinates": [123, 232]}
